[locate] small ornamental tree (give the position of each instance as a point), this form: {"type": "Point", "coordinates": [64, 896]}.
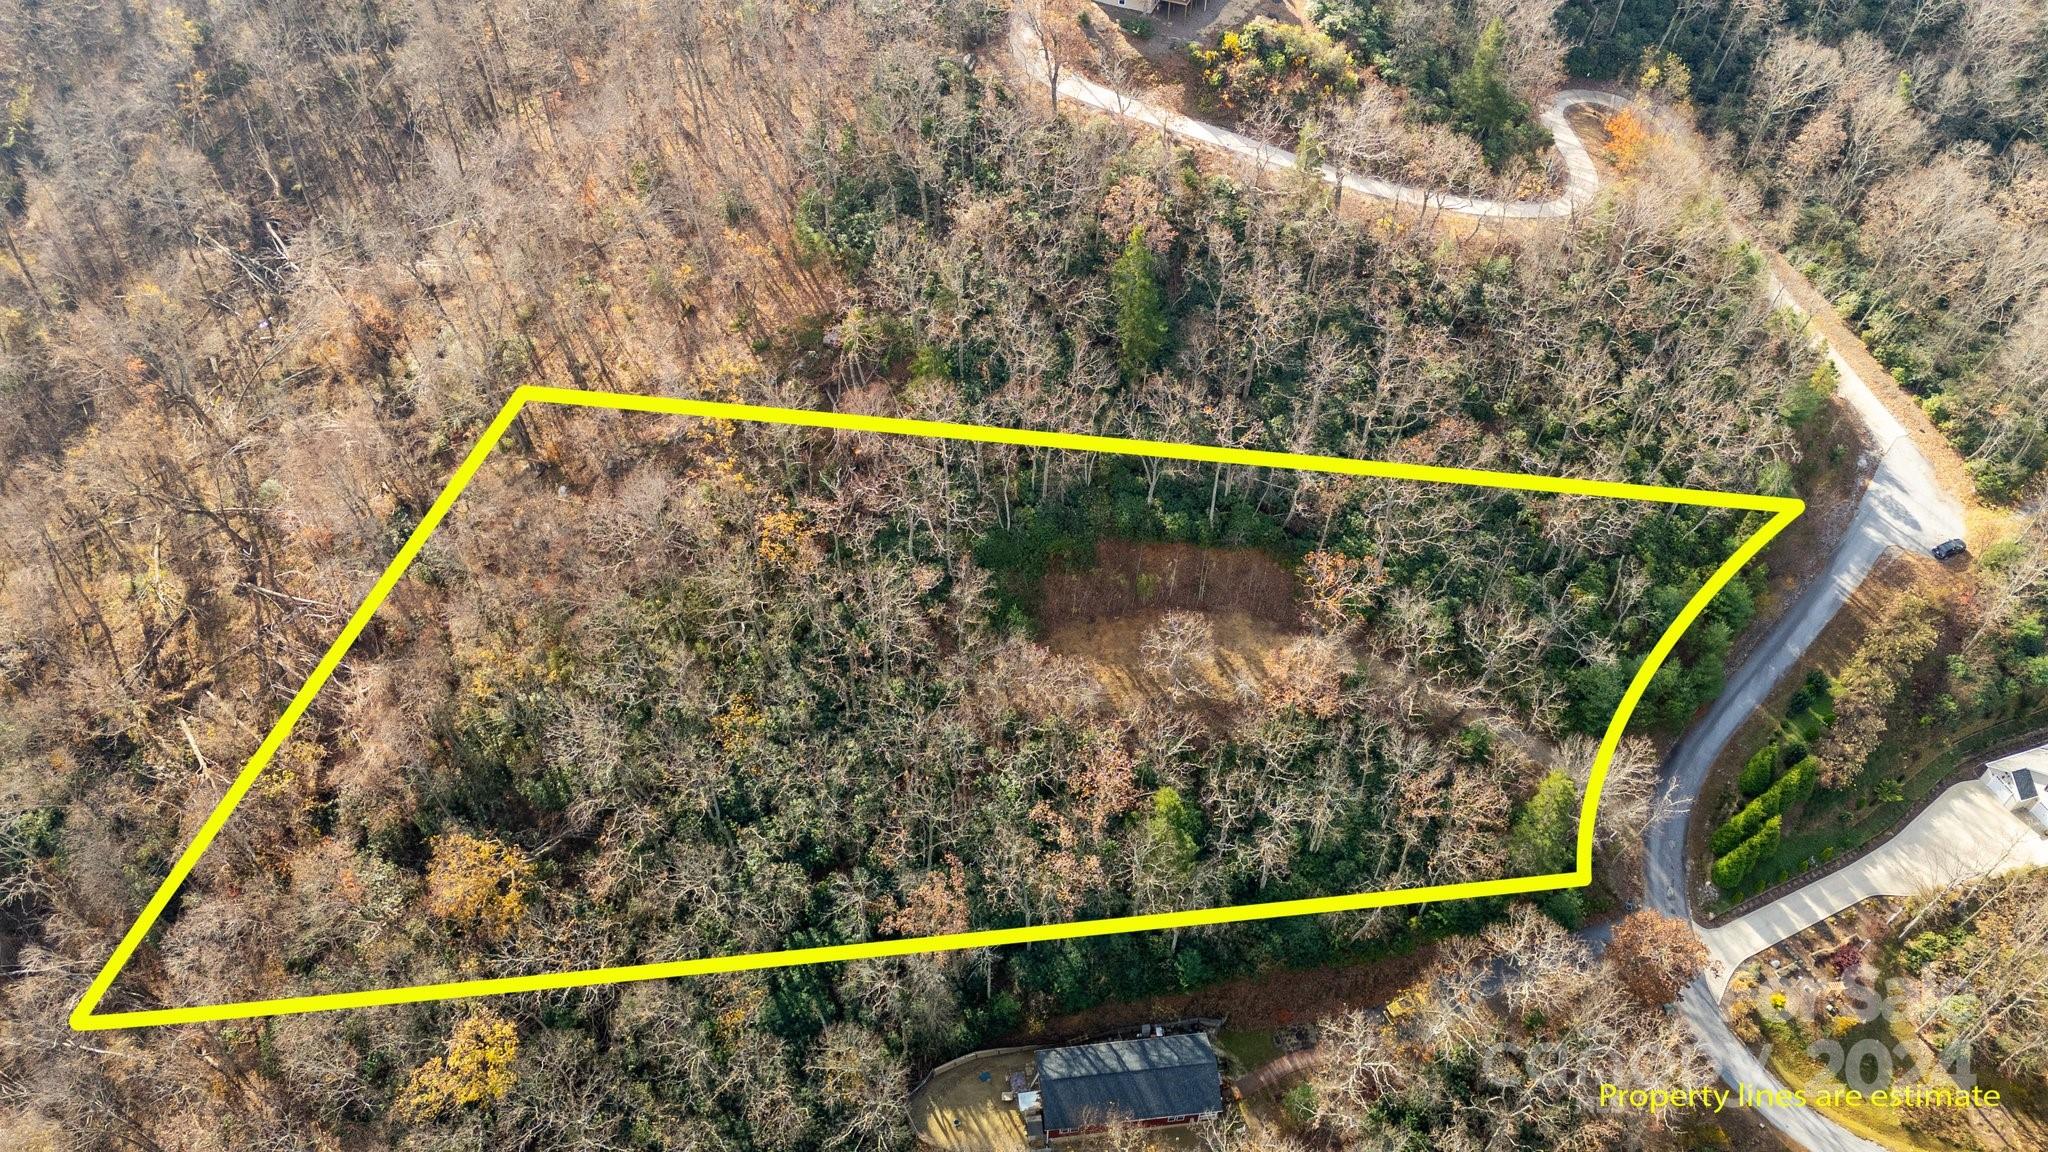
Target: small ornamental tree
{"type": "Point", "coordinates": [1798, 782]}
{"type": "Point", "coordinates": [1628, 140]}
{"type": "Point", "coordinates": [1656, 956]}
{"type": "Point", "coordinates": [1793, 787]}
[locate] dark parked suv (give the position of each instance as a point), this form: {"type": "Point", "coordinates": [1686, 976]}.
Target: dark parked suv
{"type": "Point", "coordinates": [1948, 548]}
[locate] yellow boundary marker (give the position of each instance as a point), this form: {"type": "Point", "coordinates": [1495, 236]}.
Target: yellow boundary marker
{"type": "Point", "coordinates": [1782, 510]}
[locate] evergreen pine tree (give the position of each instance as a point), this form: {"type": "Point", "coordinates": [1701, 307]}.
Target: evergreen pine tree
{"type": "Point", "coordinates": [1486, 109]}
{"type": "Point", "coordinates": [1141, 326]}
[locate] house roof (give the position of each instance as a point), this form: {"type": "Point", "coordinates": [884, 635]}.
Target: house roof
{"type": "Point", "coordinates": [2034, 758]}
{"type": "Point", "coordinates": [1153, 1078]}
{"type": "Point", "coordinates": [2029, 771]}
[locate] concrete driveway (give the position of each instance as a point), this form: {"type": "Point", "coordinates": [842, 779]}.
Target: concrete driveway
{"type": "Point", "coordinates": [1964, 834]}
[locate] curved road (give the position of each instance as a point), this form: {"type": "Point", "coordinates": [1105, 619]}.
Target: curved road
{"type": "Point", "coordinates": [1904, 507]}
{"type": "Point", "coordinates": [1582, 179]}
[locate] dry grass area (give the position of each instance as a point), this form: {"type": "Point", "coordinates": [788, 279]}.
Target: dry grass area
{"type": "Point", "coordinates": [1837, 461]}
{"type": "Point", "coordinates": [960, 1111]}
{"type": "Point", "coordinates": [1253, 649]}
{"type": "Point", "coordinates": [1248, 661]}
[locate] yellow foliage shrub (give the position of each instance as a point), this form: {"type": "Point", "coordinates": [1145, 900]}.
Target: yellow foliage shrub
{"type": "Point", "coordinates": [477, 1069]}
{"type": "Point", "coordinates": [478, 885]}
{"type": "Point", "coordinates": [740, 726]}
{"type": "Point", "coordinates": [787, 543]}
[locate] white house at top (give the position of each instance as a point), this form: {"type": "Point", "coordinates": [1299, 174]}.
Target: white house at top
{"type": "Point", "coordinates": [2020, 781]}
{"type": "Point", "coordinates": [1148, 7]}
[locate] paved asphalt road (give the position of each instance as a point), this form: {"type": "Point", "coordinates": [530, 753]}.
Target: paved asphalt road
{"type": "Point", "coordinates": [1904, 507]}
{"type": "Point", "coordinates": [1582, 179]}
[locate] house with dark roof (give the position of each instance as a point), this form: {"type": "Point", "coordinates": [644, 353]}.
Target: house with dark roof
{"type": "Point", "coordinates": [1150, 1082]}
{"type": "Point", "coordinates": [2020, 782]}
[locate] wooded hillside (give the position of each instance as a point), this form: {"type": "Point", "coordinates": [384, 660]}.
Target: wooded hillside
{"type": "Point", "coordinates": [1895, 147]}
{"type": "Point", "coordinates": [670, 688]}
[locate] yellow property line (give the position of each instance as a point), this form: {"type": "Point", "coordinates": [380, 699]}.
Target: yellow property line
{"type": "Point", "coordinates": [1783, 510]}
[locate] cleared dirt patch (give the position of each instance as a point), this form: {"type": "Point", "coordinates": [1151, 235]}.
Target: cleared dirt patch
{"type": "Point", "coordinates": [1129, 577]}
{"type": "Point", "coordinates": [962, 1108]}
{"type": "Point", "coordinates": [1182, 626]}
{"type": "Point", "coordinates": [1246, 659]}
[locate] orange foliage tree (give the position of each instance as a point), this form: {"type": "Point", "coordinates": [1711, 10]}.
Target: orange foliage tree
{"type": "Point", "coordinates": [1628, 139]}
{"type": "Point", "coordinates": [1655, 955]}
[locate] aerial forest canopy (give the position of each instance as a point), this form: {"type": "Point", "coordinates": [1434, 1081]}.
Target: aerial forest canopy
{"type": "Point", "coordinates": [722, 688]}
{"type": "Point", "coordinates": [1894, 151]}
{"type": "Point", "coordinates": [270, 271]}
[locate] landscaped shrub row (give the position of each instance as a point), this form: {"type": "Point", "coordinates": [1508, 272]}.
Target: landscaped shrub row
{"type": "Point", "coordinates": [1730, 870]}
{"type": "Point", "coordinates": [1795, 785]}
{"type": "Point", "coordinates": [1761, 770]}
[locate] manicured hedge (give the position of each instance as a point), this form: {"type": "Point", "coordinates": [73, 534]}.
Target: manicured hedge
{"type": "Point", "coordinates": [1760, 771]}
{"type": "Point", "coordinates": [1795, 785]}
{"type": "Point", "coordinates": [1798, 782]}
{"type": "Point", "coordinates": [1741, 826]}
{"type": "Point", "coordinates": [1730, 870]}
